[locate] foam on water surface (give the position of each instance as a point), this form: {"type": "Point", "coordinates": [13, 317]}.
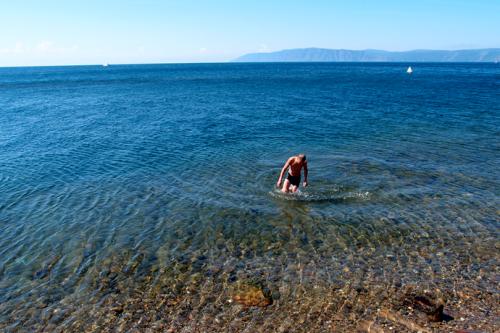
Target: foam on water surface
{"type": "Point", "coordinates": [334, 194]}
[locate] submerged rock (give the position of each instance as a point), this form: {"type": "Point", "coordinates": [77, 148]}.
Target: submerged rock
{"type": "Point", "coordinates": [252, 295]}
{"type": "Point", "coordinates": [432, 307]}
{"type": "Point", "coordinates": [47, 268]}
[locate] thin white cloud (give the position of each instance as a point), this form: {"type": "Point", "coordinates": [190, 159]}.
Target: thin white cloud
{"type": "Point", "coordinates": [44, 47]}
{"type": "Point", "coordinates": [263, 48]}
{"type": "Point", "coordinates": [50, 47]}
{"type": "Point", "coordinates": [18, 48]}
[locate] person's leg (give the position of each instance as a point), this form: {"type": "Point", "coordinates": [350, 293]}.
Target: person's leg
{"type": "Point", "coordinates": [294, 188]}
{"type": "Point", "coordinates": [286, 186]}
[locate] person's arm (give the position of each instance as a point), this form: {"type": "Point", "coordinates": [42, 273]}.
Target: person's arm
{"type": "Point", "coordinates": [287, 164]}
{"type": "Point", "coordinates": [305, 174]}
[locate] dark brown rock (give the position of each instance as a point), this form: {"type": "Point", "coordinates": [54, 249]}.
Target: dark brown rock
{"type": "Point", "coordinates": [433, 309]}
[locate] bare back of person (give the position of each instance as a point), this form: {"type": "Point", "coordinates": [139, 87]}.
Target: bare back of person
{"type": "Point", "coordinates": [294, 166]}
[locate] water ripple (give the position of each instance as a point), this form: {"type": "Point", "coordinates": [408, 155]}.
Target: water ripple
{"type": "Point", "coordinates": [152, 189]}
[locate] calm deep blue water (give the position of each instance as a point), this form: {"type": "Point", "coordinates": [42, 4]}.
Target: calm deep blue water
{"type": "Point", "coordinates": [135, 181]}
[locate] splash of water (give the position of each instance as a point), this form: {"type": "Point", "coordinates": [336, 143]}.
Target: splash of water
{"type": "Point", "coordinates": [333, 194]}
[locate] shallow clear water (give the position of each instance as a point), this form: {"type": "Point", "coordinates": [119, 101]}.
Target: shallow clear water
{"type": "Point", "coordinates": [151, 180]}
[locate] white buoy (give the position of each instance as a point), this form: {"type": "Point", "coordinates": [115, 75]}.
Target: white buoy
{"type": "Point", "coordinates": [409, 70]}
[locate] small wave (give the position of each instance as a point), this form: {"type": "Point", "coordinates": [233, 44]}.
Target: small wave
{"type": "Point", "coordinates": [321, 196]}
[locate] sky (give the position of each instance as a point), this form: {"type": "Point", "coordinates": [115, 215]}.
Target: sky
{"type": "Point", "coordinates": [70, 32]}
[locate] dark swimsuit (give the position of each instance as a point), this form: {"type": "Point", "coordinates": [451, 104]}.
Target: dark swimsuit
{"type": "Point", "coordinates": [294, 180]}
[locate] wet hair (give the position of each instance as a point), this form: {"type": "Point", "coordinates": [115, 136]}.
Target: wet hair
{"type": "Point", "coordinates": [303, 156]}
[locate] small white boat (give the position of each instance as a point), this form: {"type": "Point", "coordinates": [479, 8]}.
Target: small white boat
{"type": "Point", "coordinates": [105, 65]}
{"type": "Point", "coordinates": [409, 70]}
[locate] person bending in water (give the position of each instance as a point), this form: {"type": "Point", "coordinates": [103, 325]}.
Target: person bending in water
{"type": "Point", "coordinates": [294, 165]}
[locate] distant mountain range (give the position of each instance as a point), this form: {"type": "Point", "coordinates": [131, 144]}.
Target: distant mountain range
{"type": "Point", "coordinates": [330, 55]}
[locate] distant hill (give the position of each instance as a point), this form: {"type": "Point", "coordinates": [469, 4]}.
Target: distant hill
{"type": "Point", "coordinates": [329, 55]}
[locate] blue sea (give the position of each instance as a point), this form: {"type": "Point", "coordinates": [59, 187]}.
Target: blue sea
{"type": "Point", "coordinates": [143, 196]}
